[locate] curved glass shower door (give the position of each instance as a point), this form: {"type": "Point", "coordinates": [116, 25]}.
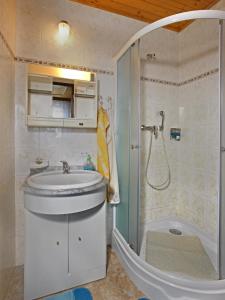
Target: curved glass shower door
{"type": "Point", "coordinates": [127, 144]}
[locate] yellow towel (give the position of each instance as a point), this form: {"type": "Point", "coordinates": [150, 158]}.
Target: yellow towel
{"type": "Point", "coordinates": [103, 155]}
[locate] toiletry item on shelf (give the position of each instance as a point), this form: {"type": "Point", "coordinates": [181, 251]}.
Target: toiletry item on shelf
{"type": "Point", "coordinates": [38, 165]}
{"type": "Point", "coordinates": [89, 165]}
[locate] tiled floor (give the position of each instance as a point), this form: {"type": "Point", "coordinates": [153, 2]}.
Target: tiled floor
{"type": "Point", "coordinates": [116, 286]}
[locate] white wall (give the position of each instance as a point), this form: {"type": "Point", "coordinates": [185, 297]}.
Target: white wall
{"type": "Point", "coordinates": [96, 37]}
{"type": "Point", "coordinates": [7, 205]}
{"type": "Point", "coordinates": [198, 157]}
{"type": "Point", "coordinates": [8, 21]}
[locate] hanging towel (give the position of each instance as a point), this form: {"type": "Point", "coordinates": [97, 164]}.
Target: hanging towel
{"type": "Point", "coordinates": [106, 160]}
{"type": "Point", "coordinates": [103, 155]}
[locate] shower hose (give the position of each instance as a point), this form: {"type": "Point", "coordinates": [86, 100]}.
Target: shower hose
{"type": "Point", "coordinates": [166, 183]}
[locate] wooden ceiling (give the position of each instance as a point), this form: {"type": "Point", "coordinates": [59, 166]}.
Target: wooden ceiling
{"type": "Point", "coordinates": [150, 10]}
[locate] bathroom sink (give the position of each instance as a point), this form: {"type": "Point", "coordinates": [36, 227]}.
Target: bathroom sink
{"type": "Point", "coordinates": [56, 180]}
{"type": "Point", "coordinates": [56, 193]}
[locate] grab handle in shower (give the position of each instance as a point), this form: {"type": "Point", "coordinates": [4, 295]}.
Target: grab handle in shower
{"type": "Point", "coordinates": [162, 114]}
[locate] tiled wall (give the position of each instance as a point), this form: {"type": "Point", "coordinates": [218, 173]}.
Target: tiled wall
{"type": "Point", "coordinates": [95, 37]}
{"type": "Point", "coordinates": [155, 97]}
{"type": "Point", "coordinates": [7, 211]}
{"type": "Point", "coordinates": [193, 105]}
{"type": "Point", "coordinates": [198, 155]}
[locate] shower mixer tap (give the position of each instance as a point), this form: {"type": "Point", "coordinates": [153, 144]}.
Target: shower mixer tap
{"type": "Point", "coordinates": [155, 129]}
{"type": "Point", "coordinates": [146, 128]}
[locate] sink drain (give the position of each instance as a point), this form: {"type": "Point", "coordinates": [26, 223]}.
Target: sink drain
{"type": "Point", "coordinates": [175, 231]}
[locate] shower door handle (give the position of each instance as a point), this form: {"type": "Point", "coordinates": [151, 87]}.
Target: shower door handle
{"type": "Point", "coordinates": [222, 149]}
{"type": "Point", "coordinates": [133, 147]}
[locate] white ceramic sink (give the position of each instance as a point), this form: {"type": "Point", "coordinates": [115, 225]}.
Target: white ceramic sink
{"type": "Point", "coordinates": [56, 180]}
{"type": "Point", "coordinates": [56, 192]}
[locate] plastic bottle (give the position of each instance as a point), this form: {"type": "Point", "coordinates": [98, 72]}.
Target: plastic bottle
{"type": "Point", "coordinates": [89, 165]}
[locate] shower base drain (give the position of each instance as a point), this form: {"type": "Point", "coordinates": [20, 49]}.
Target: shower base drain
{"type": "Point", "coordinates": [175, 231]}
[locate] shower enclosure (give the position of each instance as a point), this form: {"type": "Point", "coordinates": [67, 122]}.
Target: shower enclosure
{"type": "Point", "coordinates": [170, 223]}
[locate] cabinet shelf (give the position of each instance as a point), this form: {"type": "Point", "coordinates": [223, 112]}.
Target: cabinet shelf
{"type": "Point", "coordinates": [61, 98]}
{"type": "Point", "coordinates": [33, 121]}
{"type": "Point", "coordinates": [84, 96]}
{"type": "Point", "coordinates": [39, 92]}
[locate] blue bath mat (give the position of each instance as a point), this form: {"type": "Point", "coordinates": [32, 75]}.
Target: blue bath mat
{"type": "Point", "coordinates": [75, 294]}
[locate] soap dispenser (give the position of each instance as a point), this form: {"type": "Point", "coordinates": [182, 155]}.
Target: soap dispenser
{"type": "Point", "coordinates": [89, 165]}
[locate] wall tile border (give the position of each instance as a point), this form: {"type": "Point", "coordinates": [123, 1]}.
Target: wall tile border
{"type": "Point", "coordinates": [182, 83]}
{"type": "Point", "coordinates": [199, 77]}
{"type": "Point", "coordinates": [60, 65]}
{"type": "Point", "coordinates": [2, 37]}
{"type": "Point", "coordinates": [111, 73]}
{"type": "Point", "coordinates": [159, 81]}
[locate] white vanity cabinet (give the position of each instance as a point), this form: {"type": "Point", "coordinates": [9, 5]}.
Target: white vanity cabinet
{"type": "Point", "coordinates": [87, 247]}
{"type": "Point", "coordinates": [46, 254]}
{"type": "Point", "coordinates": [64, 251]}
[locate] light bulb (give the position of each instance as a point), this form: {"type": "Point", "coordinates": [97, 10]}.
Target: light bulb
{"type": "Point", "coordinates": [64, 30]}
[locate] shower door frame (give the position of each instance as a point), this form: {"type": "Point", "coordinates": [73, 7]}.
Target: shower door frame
{"type": "Point", "coordinates": [221, 246]}
{"type": "Point", "coordinates": [194, 15]}
{"type": "Point", "coordinates": [132, 234]}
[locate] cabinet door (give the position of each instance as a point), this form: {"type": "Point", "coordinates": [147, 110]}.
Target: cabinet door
{"type": "Point", "coordinates": [46, 254]}
{"type": "Point", "coordinates": [87, 243]}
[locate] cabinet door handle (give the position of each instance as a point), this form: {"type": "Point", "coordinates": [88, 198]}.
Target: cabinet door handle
{"type": "Point", "coordinates": [81, 124]}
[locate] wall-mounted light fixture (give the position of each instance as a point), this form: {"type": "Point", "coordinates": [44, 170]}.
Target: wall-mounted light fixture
{"type": "Point", "coordinates": [60, 72]}
{"type": "Point", "coordinates": [64, 30]}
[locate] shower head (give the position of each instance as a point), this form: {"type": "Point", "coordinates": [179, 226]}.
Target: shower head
{"type": "Point", "coordinates": [162, 113]}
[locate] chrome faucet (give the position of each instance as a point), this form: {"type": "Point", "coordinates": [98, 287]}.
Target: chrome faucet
{"type": "Point", "coordinates": [66, 167]}
{"type": "Point", "coordinates": [155, 129]}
